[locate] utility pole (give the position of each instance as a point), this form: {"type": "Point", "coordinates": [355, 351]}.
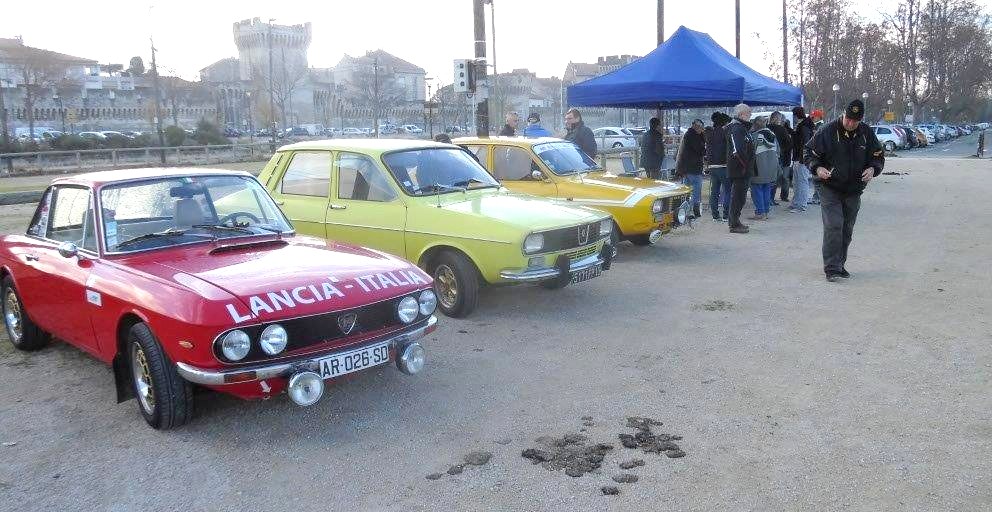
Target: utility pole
{"type": "Point", "coordinates": [492, 24]}
{"type": "Point", "coordinates": [737, 26]}
{"type": "Point", "coordinates": [661, 22]}
{"type": "Point", "coordinates": [158, 106]}
{"type": "Point", "coordinates": [481, 107]}
{"type": "Point", "coordinates": [785, 45]}
{"type": "Point", "coordinates": [6, 134]}
{"type": "Point", "coordinates": [272, 101]}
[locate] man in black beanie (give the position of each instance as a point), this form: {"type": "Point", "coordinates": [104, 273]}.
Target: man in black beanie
{"type": "Point", "coordinates": [844, 156]}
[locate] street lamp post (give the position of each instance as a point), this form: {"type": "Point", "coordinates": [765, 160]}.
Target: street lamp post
{"type": "Point", "coordinates": [864, 99]}
{"type": "Point", "coordinates": [888, 102]}
{"type": "Point", "coordinates": [251, 122]}
{"type": "Point", "coordinates": [57, 98]}
{"type": "Point", "coordinates": [836, 89]}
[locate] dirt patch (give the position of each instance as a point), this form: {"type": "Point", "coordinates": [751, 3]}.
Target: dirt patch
{"type": "Point", "coordinates": [609, 490]}
{"type": "Point", "coordinates": [625, 478]}
{"type": "Point", "coordinates": [648, 441]}
{"type": "Point", "coordinates": [474, 458]}
{"type": "Point", "coordinates": [569, 453]}
{"type": "Point", "coordinates": [631, 464]}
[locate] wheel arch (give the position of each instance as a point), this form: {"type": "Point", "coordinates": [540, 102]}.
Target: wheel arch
{"type": "Point", "coordinates": [122, 376]}
{"type": "Point", "coordinates": [431, 252]}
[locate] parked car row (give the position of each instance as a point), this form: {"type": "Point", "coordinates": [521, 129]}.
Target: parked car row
{"type": "Point", "coordinates": [905, 136]}
{"type": "Point", "coordinates": [169, 275]}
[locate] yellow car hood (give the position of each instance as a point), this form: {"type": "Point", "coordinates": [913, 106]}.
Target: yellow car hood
{"type": "Point", "coordinates": [621, 189]}
{"type": "Point", "coordinates": [530, 213]}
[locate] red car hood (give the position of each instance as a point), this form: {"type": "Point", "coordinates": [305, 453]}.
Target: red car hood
{"type": "Point", "coordinates": [283, 279]}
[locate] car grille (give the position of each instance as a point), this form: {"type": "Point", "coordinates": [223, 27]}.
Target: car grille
{"type": "Point", "coordinates": [568, 238]}
{"type": "Point", "coordinates": [672, 203]}
{"type": "Point", "coordinates": [317, 329]}
{"type": "Point", "coordinates": [582, 253]}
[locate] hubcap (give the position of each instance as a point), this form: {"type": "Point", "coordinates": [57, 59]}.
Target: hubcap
{"type": "Point", "coordinates": [445, 286]}
{"type": "Point", "coordinates": [12, 316]}
{"type": "Point", "coordinates": [142, 379]}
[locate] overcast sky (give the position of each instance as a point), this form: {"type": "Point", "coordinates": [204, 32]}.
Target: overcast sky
{"type": "Point", "coordinates": [542, 35]}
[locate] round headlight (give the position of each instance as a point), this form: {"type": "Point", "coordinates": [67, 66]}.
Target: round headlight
{"type": "Point", "coordinates": [683, 213]}
{"type": "Point", "coordinates": [657, 206]}
{"type": "Point", "coordinates": [407, 309]}
{"type": "Point", "coordinates": [273, 339]}
{"type": "Point", "coordinates": [428, 302]}
{"type": "Point", "coordinates": [235, 345]}
{"type": "Point", "coordinates": [605, 226]}
{"type": "Point", "coordinates": [533, 243]}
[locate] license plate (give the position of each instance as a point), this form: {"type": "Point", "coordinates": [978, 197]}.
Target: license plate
{"type": "Point", "coordinates": [353, 361]}
{"type": "Point", "coordinates": [585, 274]}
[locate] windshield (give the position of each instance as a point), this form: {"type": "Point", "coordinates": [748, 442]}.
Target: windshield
{"type": "Point", "coordinates": [179, 210]}
{"type": "Point", "coordinates": [437, 171]}
{"type": "Point", "coordinates": [565, 158]}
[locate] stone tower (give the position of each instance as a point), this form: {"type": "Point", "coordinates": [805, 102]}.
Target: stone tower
{"type": "Point", "coordinates": [289, 47]}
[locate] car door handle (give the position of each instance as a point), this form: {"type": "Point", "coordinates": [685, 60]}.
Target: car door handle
{"type": "Point", "coordinates": [30, 257]}
{"type": "Point", "coordinates": [333, 206]}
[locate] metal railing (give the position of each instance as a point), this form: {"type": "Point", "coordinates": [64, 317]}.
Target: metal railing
{"type": "Point", "coordinates": [43, 162]}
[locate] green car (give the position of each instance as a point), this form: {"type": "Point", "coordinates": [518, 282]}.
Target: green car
{"type": "Point", "coordinates": [434, 204]}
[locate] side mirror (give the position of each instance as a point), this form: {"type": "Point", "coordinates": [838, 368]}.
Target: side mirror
{"type": "Point", "coordinates": [537, 175]}
{"type": "Point", "coordinates": [68, 249]}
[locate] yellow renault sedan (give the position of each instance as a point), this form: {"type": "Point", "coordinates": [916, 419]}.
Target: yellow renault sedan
{"type": "Point", "coordinates": [435, 205]}
{"type": "Point", "coordinates": [643, 209]}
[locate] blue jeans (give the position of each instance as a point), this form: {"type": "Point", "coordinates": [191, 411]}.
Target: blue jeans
{"type": "Point", "coordinates": [719, 191]}
{"type": "Point", "coordinates": [761, 195]}
{"type": "Point", "coordinates": [696, 182]}
{"type": "Point", "coordinates": [801, 183]}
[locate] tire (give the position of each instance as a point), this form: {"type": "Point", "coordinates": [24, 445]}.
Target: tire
{"type": "Point", "coordinates": [641, 240]}
{"type": "Point", "coordinates": [456, 284]}
{"type": "Point", "coordinates": [164, 398]}
{"type": "Point", "coordinates": [23, 333]}
{"type": "Point", "coordinates": [617, 145]}
{"type": "Point", "coordinates": [890, 146]}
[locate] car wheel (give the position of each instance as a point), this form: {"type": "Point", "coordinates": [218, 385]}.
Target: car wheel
{"type": "Point", "coordinates": [23, 333]}
{"type": "Point", "coordinates": [890, 146]}
{"type": "Point", "coordinates": [164, 398]}
{"type": "Point", "coordinates": [617, 145]}
{"type": "Point", "coordinates": [456, 284]}
{"type": "Point", "coordinates": [642, 240]}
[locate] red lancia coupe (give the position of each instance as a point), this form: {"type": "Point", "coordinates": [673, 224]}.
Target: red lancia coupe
{"type": "Point", "coordinates": [180, 277]}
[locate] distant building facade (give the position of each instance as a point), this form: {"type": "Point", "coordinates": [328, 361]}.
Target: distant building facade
{"type": "Point", "coordinates": [577, 72]}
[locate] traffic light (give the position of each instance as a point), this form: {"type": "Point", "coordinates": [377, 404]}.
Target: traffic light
{"type": "Point", "coordinates": [464, 76]}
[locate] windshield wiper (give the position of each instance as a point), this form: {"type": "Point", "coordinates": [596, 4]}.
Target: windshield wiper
{"type": "Point", "coordinates": [170, 233]}
{"type": "Point", "coordinates": [437, 187]}
{"type": "Point", "coordinates": [222, 227]}
{"type": "Point", "coordinates": [470, 181]}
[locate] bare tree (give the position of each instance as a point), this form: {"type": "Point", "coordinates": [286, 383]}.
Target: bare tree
{"type": "Point", "coordinates": [37, 69]}
{"type": "Point", "coordinates": [371, 85]}
{"type": "Point", "coordinates": [286, 80]}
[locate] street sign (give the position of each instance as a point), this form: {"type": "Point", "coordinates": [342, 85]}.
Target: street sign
{"type": "Point", "coordinates": [890, 116]}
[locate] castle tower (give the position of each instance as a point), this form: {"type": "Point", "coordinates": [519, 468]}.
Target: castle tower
{"type": "Point", "coordinates": [289, 47]}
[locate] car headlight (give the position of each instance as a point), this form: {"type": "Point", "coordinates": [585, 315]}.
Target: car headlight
{"type": "Point", "coordinates": [657, 206]}
{"type": "Point", "coordinates": [428, 302]}
{"type": "Point", "coordinates": [273, 339]}
{"type": "Point", "coordinates": [407, 309]}
{"type": "Point", "coordinates": [533, 243]}
{"type": "Point", "coordinates": [605, 227]}
{"type": "Point", "coordinates": [235, 345]}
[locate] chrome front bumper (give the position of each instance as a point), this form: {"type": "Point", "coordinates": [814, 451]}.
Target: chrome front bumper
{"type": "Point", "coordinates": [264, 371]}
{"type": "Point", "coordinates": [541, 274]}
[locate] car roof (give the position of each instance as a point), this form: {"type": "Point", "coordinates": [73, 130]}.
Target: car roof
{"type": "Point", "coordinates": [99, 178]}
{"type": "Point", "coordinates": [520, 141]}
{"type": "Point", "coordinates": [373, 145]}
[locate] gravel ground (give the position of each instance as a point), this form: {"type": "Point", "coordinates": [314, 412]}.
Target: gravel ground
{"type": "Point", "coordinates": [787, 392]}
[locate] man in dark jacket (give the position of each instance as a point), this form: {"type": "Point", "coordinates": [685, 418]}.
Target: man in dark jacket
{"type": "Point", "coordinates": [653, 149]}
{"type": "Point", "coordinates": [578, 133]}
{"type": "Point", "coordinates": [845, 155]}
{"type": "Point", "coordinates": [801, 177]}
{"type": "Point", "coordinates": [510, 128]}
{"type": "Point", "coordinates": [716, 161]}
{"type": "Point", "coordinates": [689, 164]}
{"type": "Point", "coordinates": [776, 123]}
{"type": "Point", "coordinates": [740, 164]}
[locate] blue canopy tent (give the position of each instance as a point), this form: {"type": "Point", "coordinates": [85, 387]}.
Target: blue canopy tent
{"type": "Point", "coordinates": [688, 70]}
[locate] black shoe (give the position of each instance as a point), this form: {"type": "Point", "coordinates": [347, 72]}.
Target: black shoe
{"type": "Point", "coordinates": [739, 229]}
{"type": "Point", "coordinates": [844, 273]}
{"type": "Point", "coordinates": [833, 278]}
